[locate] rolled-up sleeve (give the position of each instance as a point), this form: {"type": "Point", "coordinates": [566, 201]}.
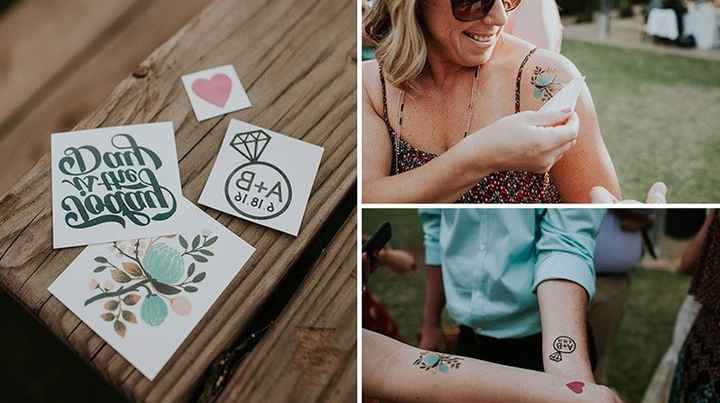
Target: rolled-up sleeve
{"type": "Point", "coordinates": [430, 219]}
{"type": "Point", "coordinates": [566, 247]}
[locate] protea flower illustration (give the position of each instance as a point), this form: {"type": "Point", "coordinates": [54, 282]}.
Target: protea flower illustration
{"type": "Point", "coordinates": [161, 274]}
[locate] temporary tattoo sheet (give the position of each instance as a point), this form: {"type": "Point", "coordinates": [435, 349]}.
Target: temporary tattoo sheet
{"type": "Point", "coordinates": [145, 296]}
{"type": "Point", "coordinates": [565, 98]}
{"type": "Point", "coordinates": [114, 184]}
{"type": "Point", "coordinates": [263, 177]}
{"type": "Point", "coordinates": [215, 92]}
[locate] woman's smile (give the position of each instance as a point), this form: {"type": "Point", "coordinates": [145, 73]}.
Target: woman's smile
{"type": "Point", "coordinates": [483, 40]}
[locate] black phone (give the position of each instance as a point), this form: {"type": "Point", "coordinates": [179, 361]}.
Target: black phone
{"type": "Point", "coordinates": [372, 246]}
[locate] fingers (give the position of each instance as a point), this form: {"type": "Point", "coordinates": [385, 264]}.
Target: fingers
{"type": "Point", "coordinates": [599, 194]}
{"type": "Point", "coordinates": [560, 135]}
{"type": "Point", "coordinates": [657, 193]}
{"type": "Point", "coordinates": [547, 119]}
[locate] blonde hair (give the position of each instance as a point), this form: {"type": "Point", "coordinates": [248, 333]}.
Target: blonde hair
{"type": "Point", "coordinates": [395, 28]}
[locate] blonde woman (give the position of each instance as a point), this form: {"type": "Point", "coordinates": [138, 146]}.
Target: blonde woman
{"type": "Point", "coordinates": [447, 111]}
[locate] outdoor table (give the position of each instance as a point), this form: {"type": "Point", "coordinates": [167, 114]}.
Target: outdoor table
{"type": "Point", "coordinates": [703, 23]}
{"type": "Point", "coordinates": [662, 23]}
{"type": "Point", "coordinates": [297, 62]}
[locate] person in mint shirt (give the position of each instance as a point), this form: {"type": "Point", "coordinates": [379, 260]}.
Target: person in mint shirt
{"type": "Point", "coordinates": [517, 281]}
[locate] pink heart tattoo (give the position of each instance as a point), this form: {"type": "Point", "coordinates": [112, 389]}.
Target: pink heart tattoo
{"type": "Point", "coordinates": [576, 386]}
{"type": "Point", "coordinates": [216, 90]}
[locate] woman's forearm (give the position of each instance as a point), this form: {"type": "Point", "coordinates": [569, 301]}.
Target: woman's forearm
{"type": "Point", "coordinates": [443, 179]}
{"type": "Point", "coordinates": [396, 372]}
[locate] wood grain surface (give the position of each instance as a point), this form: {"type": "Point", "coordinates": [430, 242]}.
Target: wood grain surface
{"type": "Point", "coordinates": [64, 59]}
{"type": "Point", "coordinates": [310, 352]}
{"type": "Point", "coordinates": [296, 59]}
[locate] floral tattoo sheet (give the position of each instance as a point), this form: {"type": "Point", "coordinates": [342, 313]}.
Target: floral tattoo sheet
{"type": "Point", "coordinates": [145, 296]}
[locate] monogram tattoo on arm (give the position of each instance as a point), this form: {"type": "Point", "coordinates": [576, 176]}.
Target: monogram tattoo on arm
{"type": "Point", "coordinates": [434, 362]}
{"type": "Point", "coordinates": [545, 81]}
{"type": "Point", "coordinates": [562, 345]}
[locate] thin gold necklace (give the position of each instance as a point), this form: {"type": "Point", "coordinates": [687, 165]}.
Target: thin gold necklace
{"type": "Point", "coordinates": [468, 117]}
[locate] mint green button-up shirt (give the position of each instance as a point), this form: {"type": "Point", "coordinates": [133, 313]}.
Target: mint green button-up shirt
{"type": "Point", "coordinates": [493, 260]}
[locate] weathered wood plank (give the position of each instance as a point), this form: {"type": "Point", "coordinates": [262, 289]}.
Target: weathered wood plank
{"type": "Point", "coordinates": [85, 71]}
{"type": "Point", "coordinates": [309, 355]}
{"type": "Point", "coordinates": [28, 62]}
{"type": "Point", "coordinates": [294, 57]}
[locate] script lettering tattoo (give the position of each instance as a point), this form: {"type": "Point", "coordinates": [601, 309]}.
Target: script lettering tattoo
{"type": "Point", "coordinates": [434, 362]}
{"type": "Point", "coordinates": [546, 83]}
{"type": "Point", "coordinates": [127, 182]}
{"type": "Point", "coordinates": [562, 345]}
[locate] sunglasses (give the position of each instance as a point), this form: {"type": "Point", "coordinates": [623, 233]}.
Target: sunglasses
{"type": "Point", "coordinates": [469, 10]}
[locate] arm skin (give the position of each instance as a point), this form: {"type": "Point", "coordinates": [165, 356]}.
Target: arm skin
{"type": "Point", "coordinates": [444, 179]}
{"type": "Point", "coordinates": [563, 312]}
{"type": "Point", "coordinates": [389, 375]}
{"type": "Point", "coordinates": [691, 256]}
{"type": "Point", "coordinates": [432, 337]}
{"type": "Point", "coordinates": [588, 164]}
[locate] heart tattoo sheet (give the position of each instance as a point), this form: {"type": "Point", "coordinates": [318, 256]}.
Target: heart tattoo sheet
{"type": "Point", "coordinates": [143, 297]}
{"type": "Point", "coordinates": [215, 92]}
{"type": "Point", "coordinates": [263, 177]}
{"type": "Point", "coordinates": [114, 183]}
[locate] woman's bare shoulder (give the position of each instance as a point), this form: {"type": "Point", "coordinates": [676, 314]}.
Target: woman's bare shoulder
{"type": "Point", "coordinates": [371, 85]}
{"type": "Point", "coordinates": [545, 73]}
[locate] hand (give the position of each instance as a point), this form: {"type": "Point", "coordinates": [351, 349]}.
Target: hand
{"type": "Point", "coordinates": [397, 260]}
{"type": "Point", "coordinates": [656, 195]}
{"type": "Point", "coordinates": [528, 141]}
{"type": "Point", "coordinates": [432, 338]}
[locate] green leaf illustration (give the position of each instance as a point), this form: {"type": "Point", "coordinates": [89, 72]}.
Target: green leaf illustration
{"type": "Point", "coordinates": [190, 288]}
{"type": "Point", "coordinates": [101, 259]}
{"type": "Point", "coordinates": [183, 242]}
{"type": "Point", "coordinates": [200, 258]}
{"type": "Point", "coordinates": [209, 241]}
{"type": "Point", "coordinates": [191, 269]}
{"type": "Point", "coordinates": [206, 252]}
{"type": "Point", "coordinates": [165, 289]}
{"type": "Point", "coordinates": [99, 269]}
{"type": "Point", "coordinates": [196, 242]}
{"type": "Point", "coordinates": [108, 317]}
{"type": "Point", "coordinates": [200, 277]}
{"type": "Point", "coordinates": [111, 305]}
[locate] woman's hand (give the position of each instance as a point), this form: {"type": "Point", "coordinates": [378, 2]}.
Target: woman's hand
{"type": "Point", "coordinates": [655, 195]}
{"type": "Point", "coordinates": [529, 141]}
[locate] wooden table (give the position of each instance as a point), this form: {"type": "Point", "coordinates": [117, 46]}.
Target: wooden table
{"type": "Point", "coordinates": [297, 61]}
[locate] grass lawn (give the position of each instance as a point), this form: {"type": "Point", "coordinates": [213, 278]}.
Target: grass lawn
{"type": "Point", "coordinates": [660, 116]}
{"type": "Point", "coordinates": [644, 335]}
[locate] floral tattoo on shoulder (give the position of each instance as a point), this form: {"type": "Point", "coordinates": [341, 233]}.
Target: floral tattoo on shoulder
{"type": "Point", "coordinates": [429, 361]}
{"type": "Point", "coordinates": [546, 84]}
{"type": "Point", "coordinates": [155, 273]}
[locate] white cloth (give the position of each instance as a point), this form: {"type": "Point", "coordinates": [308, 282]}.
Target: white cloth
{"type": "Point", "coordinates": [663, 23]}
{"type": "Point", "coordinates": [658, 391]}
{"type": "Point", "coordinates": [703, 23]}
